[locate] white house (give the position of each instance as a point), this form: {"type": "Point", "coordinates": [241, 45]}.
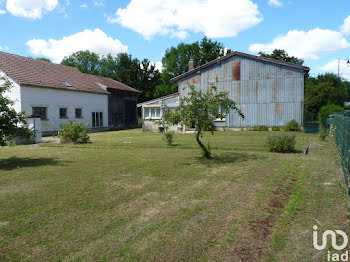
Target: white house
{"type": "Point", "coordinates": [58, 93]}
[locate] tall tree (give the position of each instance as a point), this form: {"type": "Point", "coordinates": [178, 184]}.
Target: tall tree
{"type": "Point", "coordinates": [282, 55]}
{"type": "Point", "coordinates": [175, 60]}
{"type": "Point", "coordinates": [12, 123]}
{"type": "Point", "coordinates": [85, 61]}
{"type": "Point", "coordinates": [323, 90]}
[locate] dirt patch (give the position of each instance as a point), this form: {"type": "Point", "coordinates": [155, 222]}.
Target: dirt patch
{"type": "Point", "coordinates": [260, 227]}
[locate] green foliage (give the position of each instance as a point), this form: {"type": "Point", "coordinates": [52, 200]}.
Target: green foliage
{"type": "Point", "coordinates": [169, 137]}
{"type": "Point", "coordinates": [323, 134]}
{"type": "Point", "coordinates": [43, 59]}
{"type": "Point", "coordinates": [12, 124]}
{"type": "Point", "coordinates": [325, 111]}
{"type": "Point", "coordinates": [260, 128]}
{"type": "Point", "coordinates": [141, 75]}
{"type": "Point", "coordinates": [280, 54]}
{"type": "Point", "coordinates": [73, 132]}
{"type": "Point", "coordinates": [292, 126]}
{"type": "Point", "coordinates": [281, 143]}
{"type": "Point", "coordinates": [201, 109]}
{"type": "Point", "coordinates": [276, 128]}
{"type": "Point", "coordinates": [175, 60]}
{"type": "Point", "coordinates": [323, 90]}
{"type": "Point", "coordinates": [139, 122]}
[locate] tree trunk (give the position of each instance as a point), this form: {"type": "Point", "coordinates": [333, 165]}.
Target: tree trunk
{"type": "Point", "coordinates": [206, 152]}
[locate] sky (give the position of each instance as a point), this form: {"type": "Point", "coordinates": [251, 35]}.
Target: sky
{"type": "Point", "coordinates": [317, 31]}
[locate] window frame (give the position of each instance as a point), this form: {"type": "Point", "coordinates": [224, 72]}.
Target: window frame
{"type": "Point", "coordinates": [157, 112]}
{"type": "Point", "coordinates": [96, 119]}
{"type": "Point", "coordinates": [81, 113]}
{"type": "Point", "coordinates": [66, 112]}
{"type": "Point", "coordinates": [42, 117]}
{"type": "Point", "coordinates": [221, 112]}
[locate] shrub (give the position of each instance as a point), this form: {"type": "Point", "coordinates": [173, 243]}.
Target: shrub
{"type": "Point", "coordinates": [323, 134]}
{"type": "Point", "coordinates": [260, 128]}
{"type": "Point", "coordinates": [139, 122]}
{"type": "Point", "coordinates": [292, 126]}
{"type": "Point", "coordinates": [325, 111]}
{"type": "Point", "coordinates": [73, 132]}
{"type": "Point", "coordinates": [169, 137]}
{"type": "Point", "coordinates": [281, 143]}
{"type": "Point", "coordinates": [276, 128]}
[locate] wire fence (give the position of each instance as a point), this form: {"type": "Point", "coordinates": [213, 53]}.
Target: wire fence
{"type": "Point", "coordinates": [342, 136]}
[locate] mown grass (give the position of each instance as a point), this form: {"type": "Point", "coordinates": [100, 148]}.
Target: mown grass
{"type": "Point", "coordinates": [127, 196]}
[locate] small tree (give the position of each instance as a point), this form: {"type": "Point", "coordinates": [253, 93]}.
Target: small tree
{"type": "Point", "coordinates": [201, 109]}
{"type": "Point", "coordinates": [12, 124]}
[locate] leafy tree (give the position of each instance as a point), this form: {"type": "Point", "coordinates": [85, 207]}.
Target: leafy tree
{"type": "Point", "coordinates": [175, 60]}
{"type": "Point", "coordinates": [323, 90]}
{"type": "Point", "coordinates": [142, 76]}
{"type": "Point", "coordinates": [43, 59]}
{"type": "Point", "coordinates": [12, 124]}
{"type": "Point", "coordinates": [282, 55]}
{"type": "Point", "coordinates": [84, 61]}
{"type": "Point", "coordinates": [201, 109]}
{"type": "Point", "coordinates": [325, 111]}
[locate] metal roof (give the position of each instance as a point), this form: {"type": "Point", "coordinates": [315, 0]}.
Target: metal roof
{"type": "Point", "coordinates": [235, 53]}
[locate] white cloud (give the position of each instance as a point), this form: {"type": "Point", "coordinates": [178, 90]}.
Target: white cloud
{"type": "Point", "coordinates": [332, 67]}
{"type": "Point", "coordinates": [84, 5]}
{"type": "Point", "coordinates": [305, 44]}
{"type": "Point", "coordinates": [158, 65]}
{"type": "Point", "coordinates": [96, 41]}
{"type": "Point", "coordinates": [99, 3]}
{"type": "Point", "coordinates": [275, 3]}
{"type": "Point", "coordinates": [215, 18]}
{"type": "Point", "coordinates": [30, 8]}
{"type": "Point", "coordinates": [346, 26]}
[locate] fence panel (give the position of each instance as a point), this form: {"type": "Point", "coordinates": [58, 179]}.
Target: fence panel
{"type": "Point", "coordinates": [342, 135]}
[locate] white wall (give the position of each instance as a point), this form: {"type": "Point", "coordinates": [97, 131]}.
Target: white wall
{"type": "Point", "coordinates": [14, 93]}
{"type": "Point", "coordinates": [54, 99]}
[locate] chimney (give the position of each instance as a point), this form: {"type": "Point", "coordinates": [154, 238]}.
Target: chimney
{"type": "Point", "coordinates": [191, 65]}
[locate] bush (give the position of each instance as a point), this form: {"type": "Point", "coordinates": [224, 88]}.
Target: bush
{"type": "Point", "coordinates": [292, 126]}
{"type": "Point", "coordinates": [169, 137]}
{"type": "Point", "coordinates": [73, 132]}
{"type": "Point", "coordinates": [325, 111]}
{"type": "Point", "coordinates": [139, 122]}
{"type": "Point", "coordinates": [323, 134]}
{"type": "Point", "coordinates": [281, 143]}
{"type": "Point", "coordinates": [260, 128]}
{"type": "Point", "coordinates": [276, 128]}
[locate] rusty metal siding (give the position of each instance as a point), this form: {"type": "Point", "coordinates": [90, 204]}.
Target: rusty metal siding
{"type": "Point", "coordinates": [268, 94]}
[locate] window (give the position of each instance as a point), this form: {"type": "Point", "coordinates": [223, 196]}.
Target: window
{"type": "Point", "coordinates": [40, 112]}
{"type": "Point", "coordinates": [66, 83]}
{"type": "Point", "coordinates": [78, 113]}
{"type": "Point", "coordinates": [152, 113]}
{"type": "Point", "coordinates": [221, 111]}
{"type": "Point", "coordinates": [63, 113]}
{"type": "Point", "coordinates": [97, 119]}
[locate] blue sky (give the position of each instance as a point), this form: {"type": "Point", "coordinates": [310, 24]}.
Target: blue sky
{"type": "Point", "coordinates": [317, 31]}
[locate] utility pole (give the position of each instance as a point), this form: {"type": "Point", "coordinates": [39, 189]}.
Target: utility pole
{"type": "Point", "coordinates": [339, 80]}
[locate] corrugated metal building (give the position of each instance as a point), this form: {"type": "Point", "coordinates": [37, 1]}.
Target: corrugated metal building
{"type": "Point", "coordinates": [269, 92]}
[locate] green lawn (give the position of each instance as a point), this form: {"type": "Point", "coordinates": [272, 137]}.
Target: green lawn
{"type": "Point", "coordinates": [129, 197]}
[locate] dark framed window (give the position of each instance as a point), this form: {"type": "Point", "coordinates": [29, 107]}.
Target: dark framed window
{"type": "Point", "coordinates": [78, 113]}
{"type": "Point", "coordinates": [63, 112]}
{"type": "Point", "coordinates": [39, 112]}
{"type": "Point", "coordinates": [97, 119]}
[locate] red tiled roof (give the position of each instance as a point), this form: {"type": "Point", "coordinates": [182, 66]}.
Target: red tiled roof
{"type": "Point", "coordinates": [111, 83]}
{"type": "Point", "coordinates": [32, 72]}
